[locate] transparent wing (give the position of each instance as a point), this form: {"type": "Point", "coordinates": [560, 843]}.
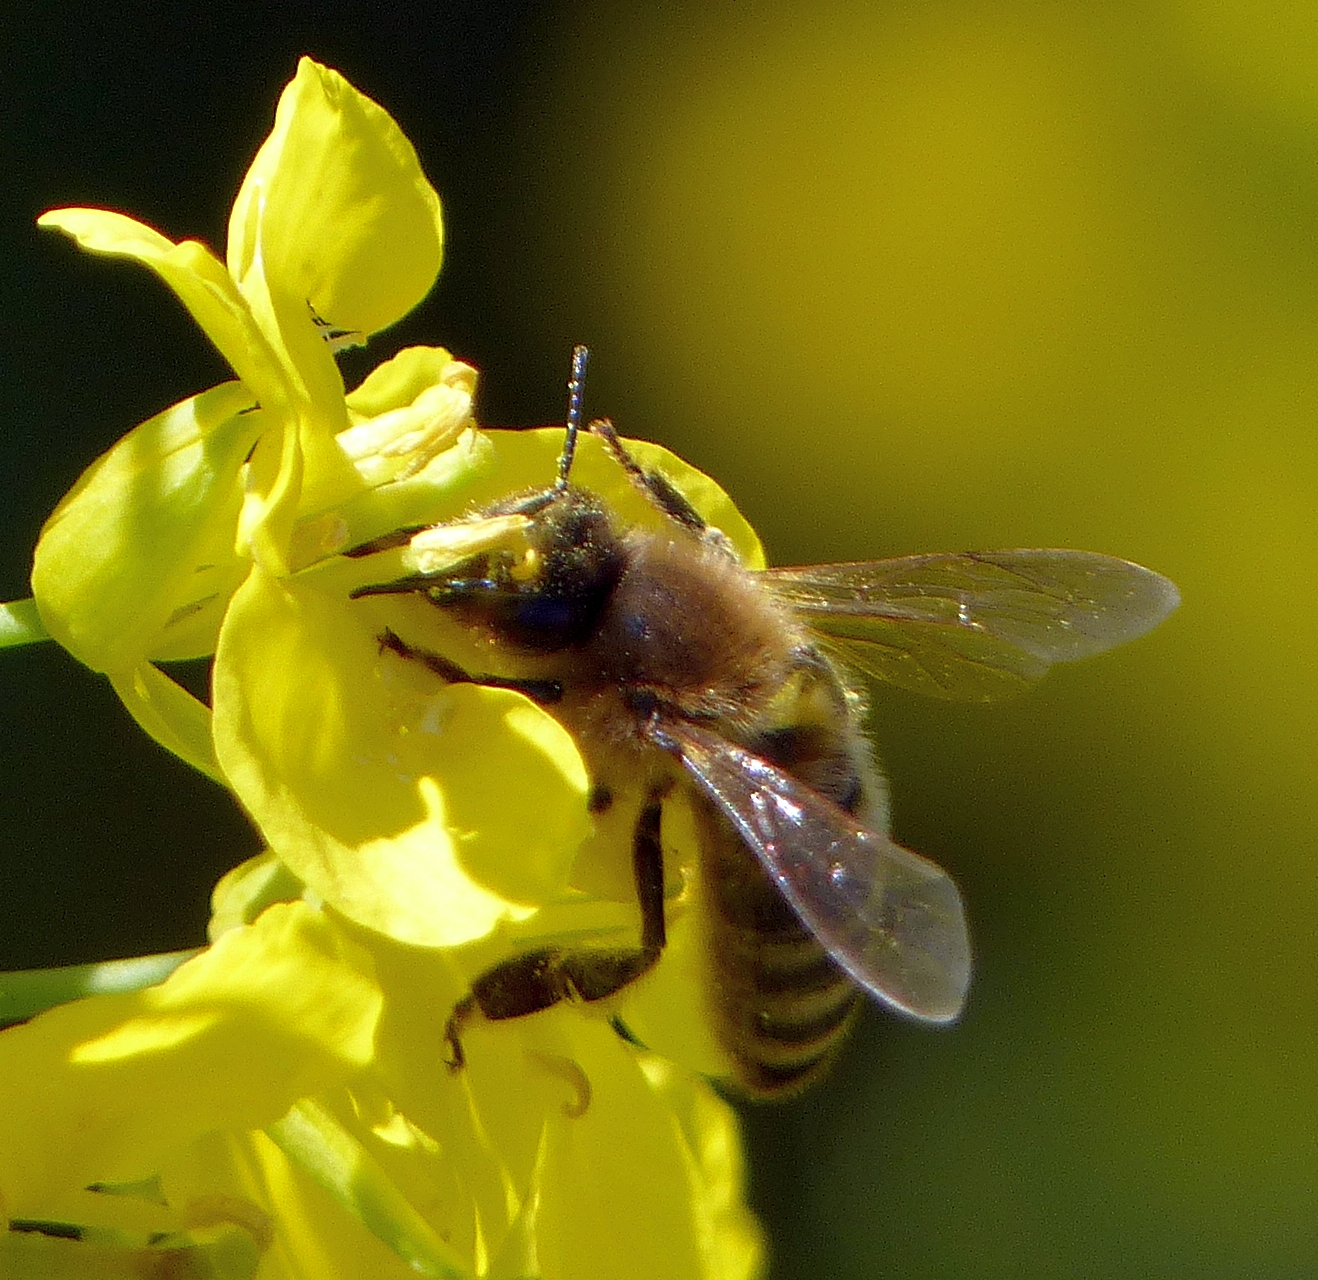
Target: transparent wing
{"type": "Point", "coordinates": [974, 624]}
{"type": "Point", "coordinates": [892, 919]}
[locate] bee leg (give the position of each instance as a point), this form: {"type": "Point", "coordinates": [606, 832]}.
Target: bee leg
{"type": "Point", "coordinates": [545, 692]}
{"type": "Point", "coordinates": [543, 978]}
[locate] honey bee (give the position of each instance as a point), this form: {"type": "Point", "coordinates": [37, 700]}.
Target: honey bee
{"type": "Point", "coordinates": [675, 667]}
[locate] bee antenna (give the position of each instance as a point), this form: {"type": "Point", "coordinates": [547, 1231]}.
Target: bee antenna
{"type": "Point", "coordinates": [576, 387]}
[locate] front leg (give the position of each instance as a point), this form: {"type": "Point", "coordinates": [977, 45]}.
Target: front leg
{"type": "Point", "coordinates": [544, 692]}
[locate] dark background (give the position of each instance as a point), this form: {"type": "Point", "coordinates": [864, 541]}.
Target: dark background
{"type": "Point", "coordinates": [902, 277]}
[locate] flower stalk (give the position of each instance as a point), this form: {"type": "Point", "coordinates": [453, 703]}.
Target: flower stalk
{"type": "Point", "coordinates": [20, 623]}
{"type": "Point", "coordinates": [26, 993]}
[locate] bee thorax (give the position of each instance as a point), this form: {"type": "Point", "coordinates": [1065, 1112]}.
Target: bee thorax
{"type": "Point", "coordinates": [688, 627]}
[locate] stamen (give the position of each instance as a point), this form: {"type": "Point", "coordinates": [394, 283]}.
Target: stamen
{"type": "Point", "coordinates": [571, 1071]}
{"type": "Point", "coordinates": [217, 1208]}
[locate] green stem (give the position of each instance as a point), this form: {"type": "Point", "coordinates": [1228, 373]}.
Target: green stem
{"type": "Point", "coordinates": [20, 623]}
{"type": "Point", "coordinates": [31, 991]}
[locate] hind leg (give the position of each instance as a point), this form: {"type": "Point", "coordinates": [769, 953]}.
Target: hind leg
{"type": "Point", "coordinates": [543, 978]}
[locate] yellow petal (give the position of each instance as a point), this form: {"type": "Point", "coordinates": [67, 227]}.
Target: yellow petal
{"type": "Point", "coordinates": [618, 1180]}
{"type": "Point", "coordinates": [427, 815]}
{"type": "Point", "coordinates": [336, 209]}
{"type": "Point", "coordinates": [199, 279]}
{"type": "Point", "coordinates": [314, 1238]}
{"type": "Point", "coordinates": [137, 561]}
{"type": "Point", "coordinates": [731, 1241]}
{"type": "Point", "coordinates": [313, 1136]}
{"type": "Point", "coordinates": [170, 714]}
{"type": "Point", "coordinates": [99, 1090]}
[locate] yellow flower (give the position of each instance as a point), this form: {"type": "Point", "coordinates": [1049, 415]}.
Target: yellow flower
{"type": "Point", "coordinates": [103, 1091]}
{"type": "Point", "coordinates": [418, 834]}
{"type": "Point", "coordinates": [433, 817]}
{"type": "Point", "coordinates": [289, 1084]}
{"type": "Point", "coordinates": [215, 528]}
{"type": "Point", "coordinates": [335, 225]}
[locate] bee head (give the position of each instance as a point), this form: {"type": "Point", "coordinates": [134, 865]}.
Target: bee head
{"type": "Point", "coordinates": [577, 558]}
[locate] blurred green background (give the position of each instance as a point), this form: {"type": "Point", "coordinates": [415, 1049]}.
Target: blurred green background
{"type": "Point", "coordinates": [905, 276]}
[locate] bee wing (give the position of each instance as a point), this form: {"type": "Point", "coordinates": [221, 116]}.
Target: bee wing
{"type": "Point", "coordinates": [975, 625]}
{"type": "Point", "coordinates": [892, 919]}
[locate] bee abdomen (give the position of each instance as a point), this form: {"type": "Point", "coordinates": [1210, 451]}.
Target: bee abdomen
{"type": "Point", "coordinates": [784, 1007]}
{"type": "Point", "coordinates": [782, 1036]}
{"type": "Point", "coordinates": [805, 1022]}
{"type": "Point", "coordinates": [795, 967]}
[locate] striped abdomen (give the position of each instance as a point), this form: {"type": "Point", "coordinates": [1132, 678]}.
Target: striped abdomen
{"type": "Point", "coordinates": [784, 1007]}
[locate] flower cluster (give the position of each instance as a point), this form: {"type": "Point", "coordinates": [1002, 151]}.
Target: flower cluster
{"type": "Point", "coordinates": [281, 1104]}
